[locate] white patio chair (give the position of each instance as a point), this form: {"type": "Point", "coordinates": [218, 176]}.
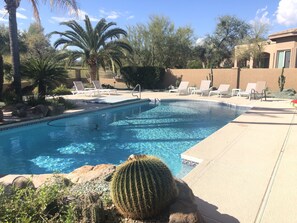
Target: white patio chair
{"type": "Point", "coordinates": [98, 87]}
{"type": "Point", "coordinates": [248, 90]}
{"type": "Point", "coordinates": [80, 89]}
{"type": "Point", "coordinates": [259, 91]}
{"type": "Point", "coordinates": [204, 88]}
{"type": "Point", "coordinates": [222, 90]}
{"type": "Point", "coordinates": [182, 88]}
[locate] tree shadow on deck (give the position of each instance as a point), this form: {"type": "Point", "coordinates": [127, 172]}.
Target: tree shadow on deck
{"type": "Point", "coordinates": [211, 214]}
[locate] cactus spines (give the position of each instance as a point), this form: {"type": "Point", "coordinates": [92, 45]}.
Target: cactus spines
{"type": "Point", "coordinates": [142, 187]}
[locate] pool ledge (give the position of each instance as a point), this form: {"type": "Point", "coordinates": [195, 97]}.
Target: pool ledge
{"type": "Point", "coordinates": [85, 108]}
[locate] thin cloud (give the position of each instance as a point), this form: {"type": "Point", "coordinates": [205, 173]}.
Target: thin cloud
{"type": "Point", "coordinates": [114, 14]}
{"type": "Point", "coordinates": [79, 15]}
{"type": "Point", "coordinates": [200, 41]}
{"type": "Point", "coordinates": [21, 9]}
{"type": "Point", "coordinates": [130, 17]}
{"type": "Point", "coordinates": [3, 20]}
{"type": "Point", "coordinates": [286, 12]}
{"type": "Point", "coordinates": [59, 19]}
{"type": "Point", "coordinates": [21, 16]}
{"type": "Point", "coordinates": [110, 14]}
{"type": "Point", "coordinates": [262, 16]}
{"type": "Point", "coordinates": [4, 13]}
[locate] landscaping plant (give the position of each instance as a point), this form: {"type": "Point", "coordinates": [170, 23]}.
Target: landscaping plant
{"type": "Point", "coordinates": [281, 80]}
{"type": "Point", "coordinates": [142, 187]}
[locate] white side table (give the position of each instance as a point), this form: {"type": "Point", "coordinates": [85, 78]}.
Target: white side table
{"type": "Point", "coordinates": [235, 91]}
{"type": "Point", "coordinates": [190, 89]}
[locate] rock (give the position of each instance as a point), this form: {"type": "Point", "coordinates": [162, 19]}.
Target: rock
{"type": "Point", "coordinates": [41, 110]}
{"type": "Point", "coordinates": [55, 110]}
{"type": "Point", "coordinates": [21, 113]}
{"type": "Point", "coordinates": [20, 106]}
{"type": "Point", "coordinates": [22, 182]}
{"type": "Point", "coordinates": [184, 209]}
{"type": "Point", "coordinates": [89, 173]}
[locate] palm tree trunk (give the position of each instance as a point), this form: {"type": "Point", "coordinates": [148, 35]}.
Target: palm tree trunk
{"type": "Point", "coordinates": [41, 91]}
{"type": "Point", "coordinates": [93, 72]}
{"type": "Point", "coordinates": [1, 75]}
{"type": "Point", "coordinates": [11, 6]}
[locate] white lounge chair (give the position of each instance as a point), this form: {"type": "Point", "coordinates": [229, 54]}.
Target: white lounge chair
{"type": "Point", "coordinates": [80, 89]}
{"type": "Point", "coordinates": [182, 88]}
{"type": "Point", "coordinates": [98, 87]}
{"type": "Point", "coordinates": [259, 91]}
{"type": "Point", "coordinates": [222, 90]}
{"type": "Point", "coordinates": [204, 88]}
{"type": "Point", "coordinates": [248, 90]}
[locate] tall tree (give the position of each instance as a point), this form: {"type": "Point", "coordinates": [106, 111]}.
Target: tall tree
{"type": "Point", "coordinates": [159, 43]}
{"type": "Point", "coordinates": [11, 7]}
{"type": "Point", "coordinates": [97, 46]}
{"type": "Point", "coordinates": [230, 31]}
{"type": "Point", "coordinates": [36, 41]}
{"type": "Point", "coordinates": [4, 41]}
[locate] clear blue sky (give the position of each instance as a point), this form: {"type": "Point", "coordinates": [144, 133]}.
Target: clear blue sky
{"type": "Point", "coordinates": [200, 15]}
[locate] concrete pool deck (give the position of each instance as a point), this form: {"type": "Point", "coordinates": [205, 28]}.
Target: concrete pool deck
{"type": "Point", "coordinates": [248, 171]}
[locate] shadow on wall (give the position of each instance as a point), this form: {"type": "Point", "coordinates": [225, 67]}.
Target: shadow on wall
{"type": "Point", "coordinates": [210, 213]}
{"type": "Point", "coordinates": [169, 78]}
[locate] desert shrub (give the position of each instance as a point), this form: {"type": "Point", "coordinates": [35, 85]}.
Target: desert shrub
{"type": "Point", "coordinates": [148, 77]}
{"type": "Point", "coordinates": [30, 205]}
{"type": "Point", "coordinates": [61, 90]}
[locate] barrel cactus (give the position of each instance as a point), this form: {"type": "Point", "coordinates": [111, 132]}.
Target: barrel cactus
{"type": "Point", "coordinates": [142, 187]}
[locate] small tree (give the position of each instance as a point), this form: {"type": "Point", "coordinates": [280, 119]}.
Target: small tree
{"type": "Point", "coordinates": [230, 31]}
{"type": "Point", "coordinates": [45, 72]}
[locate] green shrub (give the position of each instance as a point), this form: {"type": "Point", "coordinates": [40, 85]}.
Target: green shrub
{"type": "Point", "coordinates": [30, 205]}
{"type": "Point", "coordinates": [9, 97]}
{"type": "Point", "coordinates": [142, 187]}
{"type": "Point", "coordinates": [148, 77]}
{"type": "Point", "coordinates": [61, 90]}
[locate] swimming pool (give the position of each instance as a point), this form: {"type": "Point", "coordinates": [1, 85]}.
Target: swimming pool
{"type": "Point", "coordinates": [165, 130]}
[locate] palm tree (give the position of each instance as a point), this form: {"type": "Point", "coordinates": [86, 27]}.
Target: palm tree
{"type": "Point", "coordinates": [11, 7]}
{"type": "Point", "coordinates": [45, 72]}
{"type": "Point", "coordinates": [4, 49]}
{"type": "Point", "coordinates": [97, 46]}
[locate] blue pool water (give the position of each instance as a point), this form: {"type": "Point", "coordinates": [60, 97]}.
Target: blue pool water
{"type": "Point", "coordinates": [110, 136]}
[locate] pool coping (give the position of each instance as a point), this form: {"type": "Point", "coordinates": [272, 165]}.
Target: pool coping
{"type": "Point", "coordinates": [69, 113]}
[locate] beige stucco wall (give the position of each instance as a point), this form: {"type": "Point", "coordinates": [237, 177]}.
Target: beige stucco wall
{"type": "Point", "coordinates": [229, 76]}
{"type": "Point", "coordinates": [194, 76]}
{"type": "Point", "coordinates": [270, 76]}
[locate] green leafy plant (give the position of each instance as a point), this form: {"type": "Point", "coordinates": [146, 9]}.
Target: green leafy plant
{"type": "Point", "coordinates": [148, 77]}
{"type": "Point", "coordinates": [30, 205]}
{"type": "Point", "coordinates": [45, 72]}
{"type": "Point", "coordinates": [142, 187]}
{"type": "Point", "coordinates": [61, 90]}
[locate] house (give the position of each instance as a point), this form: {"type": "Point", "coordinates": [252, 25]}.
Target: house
{"type": "Point", "coordinates": [277, 52]}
